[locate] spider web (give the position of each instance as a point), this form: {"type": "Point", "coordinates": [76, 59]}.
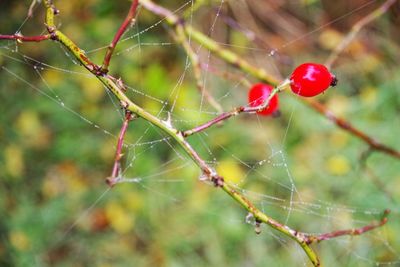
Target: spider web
{"type": "Point", "coordinates": [271, 174]}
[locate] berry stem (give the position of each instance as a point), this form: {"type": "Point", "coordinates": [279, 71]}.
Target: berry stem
{"type": "Point", "coordinates": [236, 111]}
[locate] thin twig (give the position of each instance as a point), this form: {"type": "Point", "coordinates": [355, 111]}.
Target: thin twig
{"type": "Point", "coordinates": [350, 232]}
{"type": "Point", "coordinates": [345, 125]}
{"type": "Point", "coordinates": [31, 8]}
{"type": "Point", "coordinates": [237, 111]}
{"type": "Point", "coordinates": [355, 29]}
{"type": "Point", "coordinates": [128, 21]}
{"type": "Point", "coordinates": [115, 174]}
{"type": "Point", "coordinates": [21, 38]}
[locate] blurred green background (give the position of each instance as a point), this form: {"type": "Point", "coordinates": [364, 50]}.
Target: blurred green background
{"type": "Point", "coordinates": [58, 132]}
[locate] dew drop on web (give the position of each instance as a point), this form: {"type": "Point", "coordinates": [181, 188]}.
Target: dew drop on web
{"type": "Point", "coordinates": [249, 218]}
{"type": "Point", "coordinates": [273, 52]}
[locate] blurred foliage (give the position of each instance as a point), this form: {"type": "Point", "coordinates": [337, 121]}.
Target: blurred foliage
{"type": "Point", "coordinates": [58, 134]}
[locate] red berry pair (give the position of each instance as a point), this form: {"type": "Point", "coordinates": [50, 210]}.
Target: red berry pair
{"type": "Point", "coordinates": [308, 79]}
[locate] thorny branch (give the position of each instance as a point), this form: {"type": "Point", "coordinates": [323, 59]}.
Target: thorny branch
{"type": "Point", "coordinates": [350, 232]}
{"type": "Point", "coordinates": [21, 38]}
{"type": "Point", "coordinates": [132, 109]}
{"type": "Point", "coordinates": [129, 20]}
{"type": "Point", "coordinates": [116, 171]}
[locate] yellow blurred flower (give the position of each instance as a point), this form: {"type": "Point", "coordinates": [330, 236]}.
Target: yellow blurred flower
{"type": "Point", "coordinates": [231, 171]}
{"type": "Point", "coordinates": [120, 219]}
{"type": "Point", "coordinates": [338, 165]}
{"type": "Point", "coordinates": [19, 240]}
{"type": "Point", "coordinates": [368, 95]}
{"type": "Point", "coordinates": [14, 160]}
{"type": "Point", "coordinates": [330, 39]}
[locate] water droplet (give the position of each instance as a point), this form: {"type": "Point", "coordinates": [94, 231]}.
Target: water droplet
{"type": "Point", "coordinates": [203, 177]}
{"type": "Point", "coordinates": [273, 52]}
{"type": "Point", "coordinates": [249, 218]}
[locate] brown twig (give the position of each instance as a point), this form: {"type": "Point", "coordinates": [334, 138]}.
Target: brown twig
{"type": "Point", "coordinates": [115, 174]}
{"type": "Point", "coordinates": [351, 232]}
{"type": "Point", "coordinates": [128, 21]}
{"type": "Point", "coordinates": [345, 125]}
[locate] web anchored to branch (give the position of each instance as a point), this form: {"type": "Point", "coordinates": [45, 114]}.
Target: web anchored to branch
{"type": "Point", "coordinates": [184, 33]}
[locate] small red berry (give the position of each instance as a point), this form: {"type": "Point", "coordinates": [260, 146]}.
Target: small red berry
{"type": "Point", "coordinates": [311, 79]}
{"type": "Point", "coordinates": [258, 94]}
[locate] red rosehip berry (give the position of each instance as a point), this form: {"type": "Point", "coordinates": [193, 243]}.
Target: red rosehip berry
{"type": "Point", "coordinates": [311, 79]}
{"type": "Point", "coordinates": [258, 94]}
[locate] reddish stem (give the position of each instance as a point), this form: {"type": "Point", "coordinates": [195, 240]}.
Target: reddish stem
{"type": "Point", "coordinates": [113, 179]}
{"type": "Point", "coordinates": [128, 20]}
{"type": "Point", "coordinates": [351, 232]}
{"type": "Point", "coordinates": [222, 117]}
{"type": "Point", "coordinates": [18, 37]}
{"type": "Point", "coordinates": [235, 112]}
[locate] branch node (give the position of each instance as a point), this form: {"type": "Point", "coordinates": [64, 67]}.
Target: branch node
{"type": "Point", "coordinates": [111, 181]}
{"type": "Point", "coordinates": [180, 21]}
{"type": "Point", "coordinates": [217, 180]}
{"type": "Point", "coordinates": [55, 11]}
